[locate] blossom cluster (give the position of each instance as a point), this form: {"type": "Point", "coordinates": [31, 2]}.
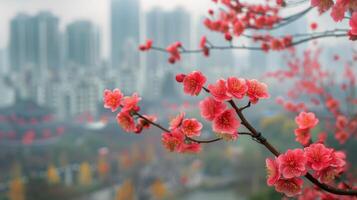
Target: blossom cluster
{"type": "Point", "coordinates": [115, 100]}
{"type": "Point", "coordinates": [181, 129]}
{"type": "Point", "coordinates": [285, 171]}
{"type": "Point", "coordinates": [311, 79]}
{"type": "Point", "coordinates": [339, 9]}
{"type": "Point", "coordinates": [213, 108]}
{"type": "Point", "coordinates": [305, 121]}
{"type": "Point", "coordinates": [224, 90]}
{"type": "Point", "coordinates": [179, 137]}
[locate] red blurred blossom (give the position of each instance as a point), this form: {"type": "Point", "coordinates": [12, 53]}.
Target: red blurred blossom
{"type": "Point", "coordinates": [112, 99]}
{"type": "Point", "coordinates": [332, 104]}
{"type": "Point", "coordinates": [290, 187]}
{"type": "Point", "coordinates": [28, 137]}
{"type": "Point", "coordinates": [318, 156]}
{"type": "Point", "coordinates": [126, 121]}
{"type": "Point", "coordinates": [313, 26]}
{"type": "Point", "coordinates": [173, 49]}
{"type": "Point", "coordinates": [327, 175]}
{"type": "Point", "coordinates": [339, 9]}
{"type": "Point", "coordinates": [322, 137]}
{"type": "Point", "coordinates": [353, 24]}
{"type": "Point", "coordinates": [180, 77]}
{"type": "Point", "coordinates": [238, 28]}
{"type": "Point", "coordinates": [280, 2]}
{"type": "Point", "coordinates": [341, 122]}
{"type": "Point", "coordinates": [306, 120]}
{"type": "Point", "coordinates": [191, 127]}
{"type": "Point", "coordinates": [173, 140]}
{"type": "Point", "coordinates": [203, 46]}
{"type": "Point", "coordinates": [323, 5]}
{"type": "Point", "coordinates": [256, 90]}
{"type": "Point", "coordinates": [190, 148]}
{"type": "Point", "coordinates": [228, 36]}
{"type": "Point", "coordinates": [193, 83]}
{"type": "Point", "coordinates": [226, 124]}
{"type": "Point", "coordinates": [219, 90]}
{"type": "Point", "coordinates": [341, 136]}
{"type": "Point", "coordinates": [303, 136]}
{"type": "Point", "coordinates": [130, 103]}
{"type": "Point", "coordinates": [273, 172]}
{"type": "Point", "coordinates": [265, 47]}
{"type": "Point", "coordinates": [292, 163]}
{"type": "Point", "coordinates": [147, 46]}
{"type": "Point", "coordinates": [210, 108]}
{"type": "Point", "coordinates": [236, 87]}
{"type": "Point", "coordinates": [176, 121]}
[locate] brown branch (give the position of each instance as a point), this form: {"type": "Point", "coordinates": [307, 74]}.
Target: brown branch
{"type": "Point", "coordinates": [309, 37]}
{"type": "Point", "coordinates": [204, 141]}
{"type": "Point", "coordinates": [168, 131]}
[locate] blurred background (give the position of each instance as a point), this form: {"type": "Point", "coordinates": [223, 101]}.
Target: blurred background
{"type": "Point", "coordinates": [58, 142]}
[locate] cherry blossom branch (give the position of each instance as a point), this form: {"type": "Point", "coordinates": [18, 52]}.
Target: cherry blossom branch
{"type": "Point", "coordinates": [262, 140]}
{"type": "Point", "coordinates": [204, 141]}
{"type": "Point", "coordinates": [168, 131]}
{"type": "Point", "coordinates": [308, 37]}
{"type": "Point", "coordinates": [285, 21]}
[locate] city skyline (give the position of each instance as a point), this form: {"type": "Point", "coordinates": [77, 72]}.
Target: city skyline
{"type": "Point", "coordinates": [95, 11]}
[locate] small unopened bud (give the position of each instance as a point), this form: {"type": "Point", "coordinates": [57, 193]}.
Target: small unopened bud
{"type": "Point", "coordinates": [180, 77]}
{"type": "Point", "coordinates": [228, 36]}
{"type": "Point", "coordinates": [142, 47]}
{"type": "Point", "coordinates": [172, 60]}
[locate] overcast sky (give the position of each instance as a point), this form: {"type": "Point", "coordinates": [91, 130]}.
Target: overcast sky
{"type": "Point", "coordinates": [97, 11]}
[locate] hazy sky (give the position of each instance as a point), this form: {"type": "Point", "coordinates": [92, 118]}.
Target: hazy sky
{"type": "Point", "coordinates": [97, 11]}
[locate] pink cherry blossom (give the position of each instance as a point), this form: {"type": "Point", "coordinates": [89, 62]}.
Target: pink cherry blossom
{"type": "Point", "coordinates": [256, 90]}
{"type": "Point", "coordinates": [323, 5]}
{"type": "Point", "coordinates": [339, 9]}
{"type": "Point", "coordinates": [126, 121]}
{"type": "Point", "coordinates": [341, 122]}
{"type": "Point", "coordinates": [327, 175]}
{"type": "Point", "coordinates": [219, 90]}
{"type": "Point", "coordinates": [272, 167]}
{"type": "Point", "coordinates": [131, 103]}
{"type": "Point", "coordinates": [176, 121]}
{"type": "Point", "coordinates": [341, 136]}
{"type": "Point", "coordinates": [173, 141]}
{"type": "Point", "coordinates": [292, 163]}
{"type": "Point", "coordinates": [338, 159]}
{"type": "Point", "coordinates": [210, 108]}
{"type": "Point", "coordinates": [353, 24]}
{"type": "Point", "coordinates": [112, 99]}
{"type": "Point", "coordinates": [236, 87]}
{"type": "Point", "coordinates": [193, 83]}
{"type": "Point", "coordinates": [189, 148]}
{"type": "Point", "coordinates": [191, 127]}
{"type": "Point", "coordinates": [303, 136]}
{"type": "Point", "coordinates": [306, 120]}
{"type": "Point", "coordinates": [226, 123]}
{"type": "Point", "coordinates": [318, 156]}
{"type": "Point", "coordinates": [290, 187]}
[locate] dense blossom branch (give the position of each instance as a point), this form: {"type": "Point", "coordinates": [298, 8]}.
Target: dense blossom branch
{"type": "Point", "coordinates": [316, 162]}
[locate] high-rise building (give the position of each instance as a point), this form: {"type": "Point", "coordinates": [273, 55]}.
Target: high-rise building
{"type": "Point", "coordinates": [124, 29]}
{"type": "Point", "coordinates": [83, 46]}
{"type": "Point", "coordinates": [164, 28]}
{"type": "Point", "coordinates": [34, 41]}
{"type": "Point", "coordinates": [3, 61]}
